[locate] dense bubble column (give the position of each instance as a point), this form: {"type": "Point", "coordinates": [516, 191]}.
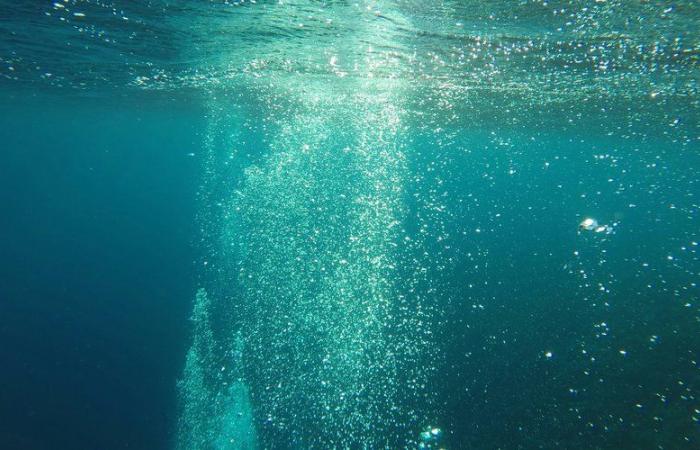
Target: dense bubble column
{"type": "Point", "coordinates": [322, 219]}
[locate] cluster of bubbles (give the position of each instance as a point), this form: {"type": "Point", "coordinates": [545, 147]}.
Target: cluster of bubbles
{"type": "Point", "coordinates": [590, 224]}
{"type": "Point", "coordinates": [336, 342]}
{"type": "Point", "coordinates": [314, 262]}
{"type": "Point", "coordinates": [215, 407]}
{"type": "Point", "coordinates": [430, 438]}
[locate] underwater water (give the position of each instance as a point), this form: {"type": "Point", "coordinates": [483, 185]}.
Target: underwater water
{"type": "Point", "coordinates": [300, 224]}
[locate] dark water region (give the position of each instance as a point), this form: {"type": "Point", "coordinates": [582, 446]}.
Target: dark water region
{"type": "Point", "coordinates": [97, 199]}
{"type": "Point", "coordinates": [375, 224]}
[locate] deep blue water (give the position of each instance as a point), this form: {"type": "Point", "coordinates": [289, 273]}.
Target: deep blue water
{"type": "Point", "coordinates": [296, 225]}
{"type": "Point", "coordinates": [98, 201]}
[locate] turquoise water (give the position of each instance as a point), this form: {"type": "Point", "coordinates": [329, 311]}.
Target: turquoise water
{"type": "Point", "coordinates": [373, 224]}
